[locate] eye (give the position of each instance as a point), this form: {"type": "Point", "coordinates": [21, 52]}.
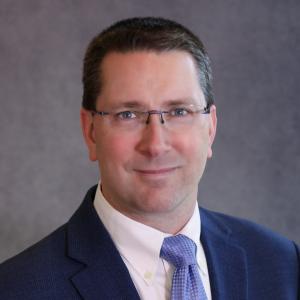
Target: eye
{"type": "Point", "coordinates": [126, 115]}
{"type": "Point", "coordinates": [179, 112]}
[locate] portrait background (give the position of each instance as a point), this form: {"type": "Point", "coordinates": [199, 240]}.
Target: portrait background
{"type": "Point", "coordinates": [255, 51]}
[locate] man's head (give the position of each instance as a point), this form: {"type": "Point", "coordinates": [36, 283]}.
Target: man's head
{"type": "Point", "coordinates": [150, 169]}
{"type": "Point", "coordinates": [147, 34]}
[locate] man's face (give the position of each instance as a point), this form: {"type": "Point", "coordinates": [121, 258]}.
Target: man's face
{"type": "Point", "coordinates": [154, 169]}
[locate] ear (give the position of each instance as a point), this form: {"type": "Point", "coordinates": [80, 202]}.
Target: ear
{"type": "Point", "coordinates": [88, 131]}
{"type": "Point", "coordinates": [212, 129]}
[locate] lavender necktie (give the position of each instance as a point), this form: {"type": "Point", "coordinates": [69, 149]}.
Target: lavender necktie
{"type": "Point", "coordinates": [180, 251]}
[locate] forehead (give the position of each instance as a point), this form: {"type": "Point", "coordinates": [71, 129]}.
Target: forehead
{"type": "Point", "coordinates": [149, 78]}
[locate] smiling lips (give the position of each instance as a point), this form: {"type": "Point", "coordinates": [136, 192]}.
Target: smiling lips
{"type": "Point", "coordinates": [156, 171]}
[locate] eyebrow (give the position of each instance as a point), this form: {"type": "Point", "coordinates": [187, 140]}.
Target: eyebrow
{"type": "Point", "coordinates": [174, 102]}
{"type": "Point", "coordinates": [127, 104]}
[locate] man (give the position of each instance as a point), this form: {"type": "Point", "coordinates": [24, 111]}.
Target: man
{"type": "Point", "coordinates": [149, 120]}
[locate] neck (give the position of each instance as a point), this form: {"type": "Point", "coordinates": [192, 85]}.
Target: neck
{"type": "Point", "coordinates": [170, 222]}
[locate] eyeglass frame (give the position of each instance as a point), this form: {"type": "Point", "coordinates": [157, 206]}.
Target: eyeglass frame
{"type": "Point", "coordinates": [205, 110]}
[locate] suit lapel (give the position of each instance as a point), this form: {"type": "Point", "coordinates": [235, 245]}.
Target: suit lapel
{"type": "Point", "coordinates": [226, 260]}
{"type": "Point", "coordinates": [103, 274]}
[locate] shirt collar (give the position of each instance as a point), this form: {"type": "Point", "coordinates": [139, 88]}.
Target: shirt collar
{"type": "Point", "coordinates": [139, 244]}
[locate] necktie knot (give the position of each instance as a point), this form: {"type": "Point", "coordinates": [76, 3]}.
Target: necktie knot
{"type": "Point", "coordinates": [179, 250]}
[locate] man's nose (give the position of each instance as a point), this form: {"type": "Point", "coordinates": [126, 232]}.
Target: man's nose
{"type": "Point", "coordinates": [155, 139]}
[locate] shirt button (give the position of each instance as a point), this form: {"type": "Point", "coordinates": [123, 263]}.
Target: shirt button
{"type": "Point", "coordinates": [148, 275]}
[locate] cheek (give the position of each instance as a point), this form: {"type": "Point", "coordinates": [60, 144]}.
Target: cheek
{"type": "Point", "coordinates": [194, 146]}
{"type": "Point", "coordinates": [113, 150]}
{"type": "Point", "coordinates": [195, 150]}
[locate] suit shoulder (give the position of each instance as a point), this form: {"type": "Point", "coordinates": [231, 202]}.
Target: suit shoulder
{"type": "Point", "coordinates": [40, 266]}
{"type": "Point", "coordinates": [248, 234]}
{"type": "Point", "coordinates": [38, 251]}
{"type": "Point", "coordinates": [271, 259]}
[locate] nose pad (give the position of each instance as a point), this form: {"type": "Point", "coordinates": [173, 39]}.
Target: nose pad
{"type": "Point", "coordinates": [155, 112]}
{"type": "Point", "coordinates": [154, 140]}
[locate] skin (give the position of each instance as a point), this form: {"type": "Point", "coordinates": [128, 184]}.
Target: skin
{"type": "Point", "coordinates": [151, 173]}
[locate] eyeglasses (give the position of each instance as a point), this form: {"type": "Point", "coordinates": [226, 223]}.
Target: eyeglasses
{"type": "Point", "coordinates": [179, 116]}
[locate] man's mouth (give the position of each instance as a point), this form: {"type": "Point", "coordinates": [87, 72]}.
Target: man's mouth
{"type": "Point", "coordinates": [158, 171]}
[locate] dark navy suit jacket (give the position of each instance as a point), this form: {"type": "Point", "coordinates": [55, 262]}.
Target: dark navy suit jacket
{"type": "Point", "coordinates": [80, 261]}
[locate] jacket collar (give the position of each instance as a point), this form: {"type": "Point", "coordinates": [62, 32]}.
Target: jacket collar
{"type": "Point", "coordinates": [103, 273]}
{"type": "Point", "coordinates": [226, 260]}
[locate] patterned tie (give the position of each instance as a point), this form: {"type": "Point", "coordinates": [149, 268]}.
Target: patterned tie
{"type": "Point", "coordinates": [180, 251]}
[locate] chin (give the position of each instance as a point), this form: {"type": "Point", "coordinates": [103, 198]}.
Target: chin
{"type": "Point", "coordinates": [160, 203]}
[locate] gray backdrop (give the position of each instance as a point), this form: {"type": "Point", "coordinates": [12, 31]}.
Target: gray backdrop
{"type": "Point", "coordinates": [45, 171]}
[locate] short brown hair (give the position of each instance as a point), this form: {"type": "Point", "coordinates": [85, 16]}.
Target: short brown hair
{"type": "Point", "coordinates": [138, 34]}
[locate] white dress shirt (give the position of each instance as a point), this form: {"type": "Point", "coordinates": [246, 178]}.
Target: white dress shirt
{"type": "Point", "coordinates": [139, 246]}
